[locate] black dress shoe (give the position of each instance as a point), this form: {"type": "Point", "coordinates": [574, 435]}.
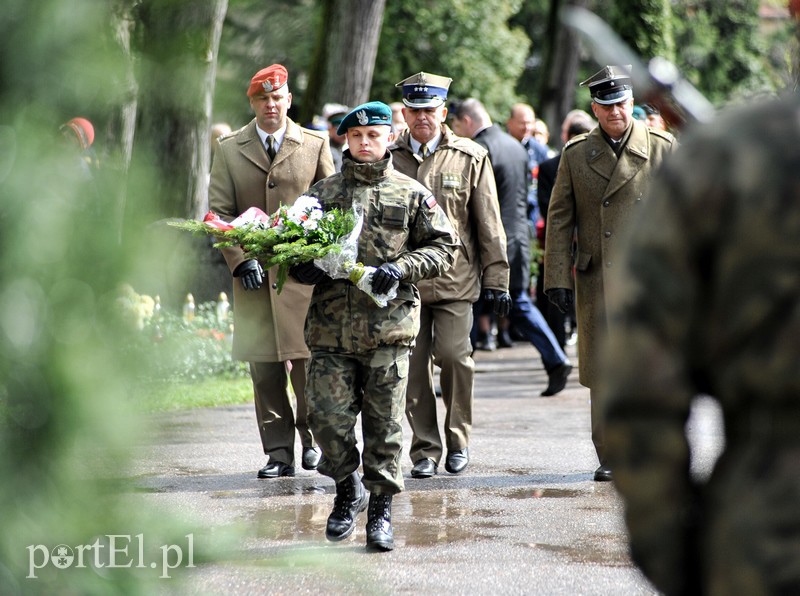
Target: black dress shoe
{"type": "Point", "coordinates": [311, 457]}
{"type": "Point", "coordinates": [603, 473]}
{"type": "Point", "coordinates": [557, 379]}
{"type": "Point", "coordinates": [424, 468]}
{"type": "Point", "coordinates": [456, 461]}
{"type": "Point", "coordinates": [275, 469]}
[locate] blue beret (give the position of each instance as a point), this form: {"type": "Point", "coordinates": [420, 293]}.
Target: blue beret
{"type": "Point", "coordinates": [367, 114]}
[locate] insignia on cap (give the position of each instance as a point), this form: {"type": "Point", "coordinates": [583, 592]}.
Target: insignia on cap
{"type": "Point", "coordinates": [267, 86]}
{"type": "Point", "coordinates": [363, 119]}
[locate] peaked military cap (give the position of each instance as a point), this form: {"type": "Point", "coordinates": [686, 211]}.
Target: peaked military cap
{"type": "Point", "coordinates": [610, 85]}
{"type": "Point", "coordinates": [424, 90]}
{"type": "Point", "coordinates": [367, 114]}
{"type": "Point", "coordinates": [268, 79]}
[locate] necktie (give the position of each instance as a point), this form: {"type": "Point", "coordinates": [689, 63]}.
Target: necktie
{"type": "Point", "coordinates": [271, 147]}
{"type": "Point", "coordinates": [423, 151]}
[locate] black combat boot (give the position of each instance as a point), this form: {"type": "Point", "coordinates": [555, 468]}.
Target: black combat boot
{"type": "Point", "coordinates": [350, 500]}
{"type": "Point", "coordinates": [379, 523]}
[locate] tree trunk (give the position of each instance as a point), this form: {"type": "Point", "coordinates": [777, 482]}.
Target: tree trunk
{"type": "Point", "coordinates": [177, 50]}
{"type": "Point", "coordinates": [352, 45]}
{"type": "Point", "coordinates": [561, 70]}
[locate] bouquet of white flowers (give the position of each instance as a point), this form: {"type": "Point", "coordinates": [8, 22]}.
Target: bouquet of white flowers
{"type": "Point", "coordinates": [296, 234]}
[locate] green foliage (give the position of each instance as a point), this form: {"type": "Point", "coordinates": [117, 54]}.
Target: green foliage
{"type": "Point", "coordinates": [471, 42]}
{"type": "Point", "coordinates": [646, 26]}
{"type": "Point", "coordinates": [258, 33]}
{"type": "Point", "coordinates": [210, 392]}
{"type": "Point", "coordinates": [723, 52]}
{"type": "Point", "coordinates": [182, 348]}
{"type": "Point", "coordinates": [66, 422]}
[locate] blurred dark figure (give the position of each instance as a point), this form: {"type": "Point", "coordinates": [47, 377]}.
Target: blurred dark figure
{"type": "Point", "coordinates": [575, 123]}
{"type": "Point", "coordinates": [707, 301]}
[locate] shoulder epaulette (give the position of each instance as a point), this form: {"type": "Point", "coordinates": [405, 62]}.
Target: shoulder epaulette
{"type": "Point", "coordinates": [468, 146]}
{"type": "Point", "coordinates": [575, 140]}
{"type": "Point", "coordinates": [320, 134]}
{"type": "Point", "coordinates": [664, 134]}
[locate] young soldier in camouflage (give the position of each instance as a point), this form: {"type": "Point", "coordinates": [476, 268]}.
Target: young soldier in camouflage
{"type": "Point", "coordinates": [359, 351]}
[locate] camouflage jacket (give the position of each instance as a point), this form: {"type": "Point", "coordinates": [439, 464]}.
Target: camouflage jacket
{"type": "Point", "coordinates": [707, 301]}
{"type": "Point", "coordinates": [402, 225]}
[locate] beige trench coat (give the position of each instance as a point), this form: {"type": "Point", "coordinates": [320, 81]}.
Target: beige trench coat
{"type": "Point", "coordinates": [461, 178]}
{"type": "Point", "coordinates": [594, 199]}
{"type": "Point", "coordinates": [268, 327]}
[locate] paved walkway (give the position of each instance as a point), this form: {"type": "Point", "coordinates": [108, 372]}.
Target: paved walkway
{"type": "Point", "coordinates": [524, 518]}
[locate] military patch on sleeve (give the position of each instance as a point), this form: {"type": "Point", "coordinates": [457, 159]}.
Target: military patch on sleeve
{"type": "Point", "coordinates": [451, 180]}
{"type": "Point", "coordinates": [430, 202]}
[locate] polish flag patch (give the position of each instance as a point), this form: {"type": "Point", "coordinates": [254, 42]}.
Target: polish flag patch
{"type": "Point", "coordinates": [430, 202]}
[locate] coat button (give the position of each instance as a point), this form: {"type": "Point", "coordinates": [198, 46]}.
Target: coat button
{"type": "Point", "coordinates": [275, 286]}
{"type": "Point", "coordinates": [608, 234]}
{"type": "Point", "coordinates": [271, 184]}
{"type": "Point", "coordinates": [606, 203]}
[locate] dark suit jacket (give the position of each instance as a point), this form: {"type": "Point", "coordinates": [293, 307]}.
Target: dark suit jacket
{"type": "Point", "coordinates": [510, 163]}
{"type": "Point", "coordinates": [547, 179]}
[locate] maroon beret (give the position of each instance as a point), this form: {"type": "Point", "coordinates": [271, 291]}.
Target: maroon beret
{"type": "Point", "coordinates": [268, 79]}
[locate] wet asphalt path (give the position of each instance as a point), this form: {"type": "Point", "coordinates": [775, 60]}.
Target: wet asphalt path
{"type": "Point", "coordinates": [524, 518]}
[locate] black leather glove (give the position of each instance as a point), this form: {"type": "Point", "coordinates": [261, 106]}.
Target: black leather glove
{"type": "Point", "coordinates": [500, 301]}
{"type": "Point", "coordinates": [562, 298]}
{"type": "Point", "coordinates": [251, 274]}
{"type": "Point", "coordinates": [384, 277]}
{"type": "Point", "coordinates": [308, 273]}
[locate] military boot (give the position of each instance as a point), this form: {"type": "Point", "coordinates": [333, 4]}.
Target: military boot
{"type": "Point", "coordinates": [379, 523]}
{"type": "Point", "coordinates": [350, 500]}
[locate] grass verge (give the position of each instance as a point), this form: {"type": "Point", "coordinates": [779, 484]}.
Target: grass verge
{"type": "Point", "coordinates": [214, 391]}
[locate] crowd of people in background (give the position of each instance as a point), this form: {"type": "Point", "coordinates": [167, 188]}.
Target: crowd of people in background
{"type": "Point", "coordinates": [492, 189]}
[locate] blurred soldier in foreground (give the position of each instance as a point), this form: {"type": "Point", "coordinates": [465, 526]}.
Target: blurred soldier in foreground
{"type": "Point", "coordinates": [359, 351]}
{"type": "Point", "coordinates": [601, 179]}
{"type": "Point", "coordinates": [707, 301]}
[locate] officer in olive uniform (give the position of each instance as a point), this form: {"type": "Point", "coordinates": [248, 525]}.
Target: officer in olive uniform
{"type": "Point", "coordinates": [359, 351]}
{"type": "Point", "coordinates": [600, 183]}
{"type": "Point", "coordinates": [459, 174]}
{"type": "Point", "coordinates": [265, 164]}
{"type": "Point", "coordinates": [707, 301]}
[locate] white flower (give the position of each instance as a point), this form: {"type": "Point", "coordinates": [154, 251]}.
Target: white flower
{"type": "Point", "coordinates": [313, 218]}
{"type": "Point", "coordinates": [302, 208]}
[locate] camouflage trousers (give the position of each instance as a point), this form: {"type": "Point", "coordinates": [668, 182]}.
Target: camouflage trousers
{"type": "Point", "coordinates": [342, 385]}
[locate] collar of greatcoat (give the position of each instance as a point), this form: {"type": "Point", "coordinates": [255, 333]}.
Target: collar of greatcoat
{"type": "Point", "coordinates": [252, 148]}
{"type": "Point", "coordinates": [618, 170]}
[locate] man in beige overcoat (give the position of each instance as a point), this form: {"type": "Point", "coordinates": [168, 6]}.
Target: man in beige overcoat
{"type": "Point", "coordinates": [601, 179]}
{"type": "Point", "coordinates": [269, 162]}
{"type": "Point", "coordinates": [459, 174]}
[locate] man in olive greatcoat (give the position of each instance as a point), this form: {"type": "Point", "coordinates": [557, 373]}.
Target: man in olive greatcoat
{"type": "Point", "coordinates": [459, 174]}
{"type": "Point", "coordinates": [601, 179]}
{"type": "Point", "coordinates": [270, 162]}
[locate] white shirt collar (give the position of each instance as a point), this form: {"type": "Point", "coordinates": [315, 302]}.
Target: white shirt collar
{"type": "Point", "coordinates": [432, 144]}
{"type": "Point", "coordinates": [277, 135]}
